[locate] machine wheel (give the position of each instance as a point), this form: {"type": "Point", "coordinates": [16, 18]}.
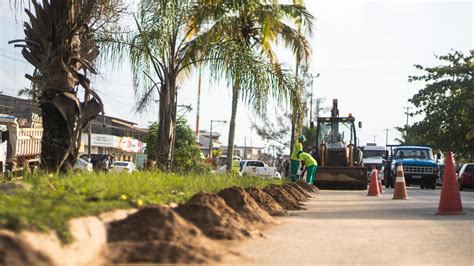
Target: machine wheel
{"type": "Point", "coordinates": [422, 185]}
{"type": "Point", "coordinates": [433, 184]}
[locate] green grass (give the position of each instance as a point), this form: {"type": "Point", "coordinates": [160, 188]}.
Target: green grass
{"type": "Point", "coordinates": [52, 200]}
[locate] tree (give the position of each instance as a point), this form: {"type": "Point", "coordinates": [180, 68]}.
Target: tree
{"type": "Point", "coordinates": [187, 155]}
{"type": "Point", "coordinates": [168, 43]}
{"type": "Point", "coordinates": [447, 105]}
{"type": "Point", "coordinates": [278, 134]}
{"type": "Point", "coordinates": [250, 28]}
{"type": "Point", "coordinates": [59, 42]}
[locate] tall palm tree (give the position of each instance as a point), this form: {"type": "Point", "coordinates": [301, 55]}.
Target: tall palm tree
{"type": "Point", "coordinates": [59, 43]}
{"type": "Point", "coordinates": [255, 27]}
{"type": "Point", "coordinates": [163, 50]}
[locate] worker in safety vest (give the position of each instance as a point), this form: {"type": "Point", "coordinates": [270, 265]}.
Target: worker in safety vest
{"type": "Point", "coordinates": [295, 161]}
{"type": "Point", "coordinates": [310, 164]}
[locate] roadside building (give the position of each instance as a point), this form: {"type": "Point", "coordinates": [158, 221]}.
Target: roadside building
{"type": "Point", "coordinates": [204, 138]}
{"type": "Point", "coordinates": [117, 137]}
{"type": "Point", "coordinates": [245, 152]}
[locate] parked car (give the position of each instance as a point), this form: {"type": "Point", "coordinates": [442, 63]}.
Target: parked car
{"type": "Point", "coordinates": [258, 168]}
{"type": "Point", "coordinates": [100, 162]}
{"type": "Point", "coordinates": [83, 165]}
{"type": "Point", "coordinates": [466, 176]}
{"type": "Point", "coordinates": [123, 166]}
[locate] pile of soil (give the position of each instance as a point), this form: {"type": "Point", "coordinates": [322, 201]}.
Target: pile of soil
{"type": "Point", "coordinates": [308, 187]}
{"type": "Point", "coordinates": [300, 189]}
{"type": "Point", "coordinates": [295, 193]}
{"type": "Point", "coordinates": [244, 204]}
{"type": "Point", "coordinates": [16, 252]}
{"type": "Point", "coordinates": [211, 214]}
{"type": "Point", "coordinates": [280, 195]}
{"type": "Point", "coordinates": [266, 201]}
{"type": "Point", "coordinates": [159, 235]}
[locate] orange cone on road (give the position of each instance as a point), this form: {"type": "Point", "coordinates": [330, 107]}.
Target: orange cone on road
{"type": "Point", "coordinates": [373, 187]}
{"type": "Point", "coordinates": [400, 191]}
{"type": "Point", "coordinates": [450, 200]}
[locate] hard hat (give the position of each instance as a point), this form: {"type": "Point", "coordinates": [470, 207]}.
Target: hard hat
{"type": "Point", "coordinates": [302, 138]}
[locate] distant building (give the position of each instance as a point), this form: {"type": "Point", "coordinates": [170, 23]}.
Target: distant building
{"type": "Point", "coordinates": [22, 109]}
{"type": "Point", "coordinates": [245, 152]}
{"type": "Point", "coordinates": [204, 138]}
{"type": "Point", "coordinates": [115, 136]}
{"type": "Point", "coordinates": [110, 135]}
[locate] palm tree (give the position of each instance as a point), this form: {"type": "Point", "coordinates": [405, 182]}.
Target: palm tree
{"type": "Point", "coordinates": [254, 27]}
{"type": "Point", "coordinates": [59, 43]}
{"type": "Point", "coordinates": [163, 50]}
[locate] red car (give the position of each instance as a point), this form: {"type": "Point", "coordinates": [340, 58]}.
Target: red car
{"type": "Point", "coordinates": [466, 176]}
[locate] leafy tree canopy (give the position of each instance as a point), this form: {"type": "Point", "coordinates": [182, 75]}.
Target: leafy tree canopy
{"type": "Point", "coordinates": [447, 103]}
{"type": "Point", "coordinates": [187, 155]}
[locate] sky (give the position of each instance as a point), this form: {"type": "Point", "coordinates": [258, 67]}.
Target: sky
{"type": "Point", "coordinates": [363, 51]}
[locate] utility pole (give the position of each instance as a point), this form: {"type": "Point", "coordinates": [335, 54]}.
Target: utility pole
{"type": "Point", "coordinates": [210, 134]}
{"type": "Point", "coordinates": [386, 137]}
{"type": "Point", "coordinates": [311, 100]}
{"type": "Point", "coordinates": [245, 148]}
{"type": "Point", "coordinates": [198, 102]}
{"type": "Point", "coordinates": [407, 113]}
{"type": "Point", "coordinates": [374, 138]}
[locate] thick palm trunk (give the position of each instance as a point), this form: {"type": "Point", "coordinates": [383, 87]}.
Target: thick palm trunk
{"type": "Point", "coordinates": [230, 144]}
{"type": "Point", "coordinates": [166, 136]}
{"type": "Point", "coordinates": [56, 140]}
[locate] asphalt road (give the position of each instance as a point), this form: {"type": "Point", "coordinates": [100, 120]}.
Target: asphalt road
{"type": "Point", "coordinates": [348, 227]}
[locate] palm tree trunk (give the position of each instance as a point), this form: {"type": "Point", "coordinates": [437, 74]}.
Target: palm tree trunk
{"type": "Point", "coordinates": [56, 140]}
{"type": "Point", "coordinates": [230, 145]}
{"type": "Point", "coordinates": [166, 136]}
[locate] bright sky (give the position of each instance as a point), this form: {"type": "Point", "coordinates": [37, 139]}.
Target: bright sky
{"type": "Point", "coordinates": [364, 52]}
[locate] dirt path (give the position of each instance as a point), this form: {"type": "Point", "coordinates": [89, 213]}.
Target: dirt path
{"type": "Point", "coordinates": [347, 227]}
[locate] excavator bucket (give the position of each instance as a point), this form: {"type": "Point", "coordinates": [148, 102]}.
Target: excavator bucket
{"type": "Point", "coordinates": [341, 177]}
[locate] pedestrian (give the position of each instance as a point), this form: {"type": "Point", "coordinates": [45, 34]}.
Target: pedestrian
{"type": "Point", "coordinates": [310, 164]}
{"type": "Point", "coordinates": [295, 162]}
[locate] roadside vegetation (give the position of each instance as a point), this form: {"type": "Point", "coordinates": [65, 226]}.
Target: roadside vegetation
{"type": "Point", "coordinates": [50, 201]}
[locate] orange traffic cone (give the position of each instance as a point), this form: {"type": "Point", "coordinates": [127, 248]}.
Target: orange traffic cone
{"type": "Point", "coordinates": [373, 187]}
{"type": "Point", "coordinates": [450, 200]}
{"type": "Point", "coordinates": [400, 191]}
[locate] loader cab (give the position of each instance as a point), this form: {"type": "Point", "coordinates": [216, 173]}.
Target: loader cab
{"type": "Point", "coordinates": [336, 140]}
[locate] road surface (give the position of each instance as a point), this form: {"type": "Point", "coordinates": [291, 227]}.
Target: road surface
{"type": "Point", "coordinates": [347, 227]}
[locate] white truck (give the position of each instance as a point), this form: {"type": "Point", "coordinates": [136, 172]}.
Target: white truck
{"type": "Point", "coordinates": [373, 156]}
{"type": "Point", "coordinates": [258, 168]}
{"type": "Point", "coordinates": [20, 147]}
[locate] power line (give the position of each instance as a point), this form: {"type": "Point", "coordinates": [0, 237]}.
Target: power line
{"type": "Point", "coordinates": [12, 58]}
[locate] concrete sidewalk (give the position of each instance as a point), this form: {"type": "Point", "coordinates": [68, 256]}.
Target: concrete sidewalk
{"type": "Point", "coordinates": [347, 227]}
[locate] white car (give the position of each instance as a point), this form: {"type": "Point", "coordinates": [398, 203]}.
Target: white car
{"type": "Point", "coordinates": [83, 165]}
{"type": "Point", "coordinates": [123, 166]}
{"type": "Point", "coordinates": [258, 168]}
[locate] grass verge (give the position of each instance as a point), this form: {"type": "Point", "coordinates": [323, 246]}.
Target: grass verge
{"type": "Point", "coordinates": [52, 200]}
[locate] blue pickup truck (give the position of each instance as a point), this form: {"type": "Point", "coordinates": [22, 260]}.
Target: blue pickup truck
{"type": "Point", "coordinates": [419, 166]}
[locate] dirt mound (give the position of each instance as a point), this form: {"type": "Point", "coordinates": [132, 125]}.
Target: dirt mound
{"type": "Point", "coordinates": [15, 252]}
{"type": "Point", "coordinates": [280, 195]}
{"type": "Point", "coordinates": [158, 235]}
{"type": "Point", "coordinates": [300, 189]}
{"type": "Point", "coordinates": [266, 201]}
{"type": "Point", "coordinates": [244, 204]}
{"type": "Point", "coordinates": [214, 217]}
{"type": "Point", "coordinates": [295, 193]}
{"type": "Point", "coordinates": [308, 187]}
